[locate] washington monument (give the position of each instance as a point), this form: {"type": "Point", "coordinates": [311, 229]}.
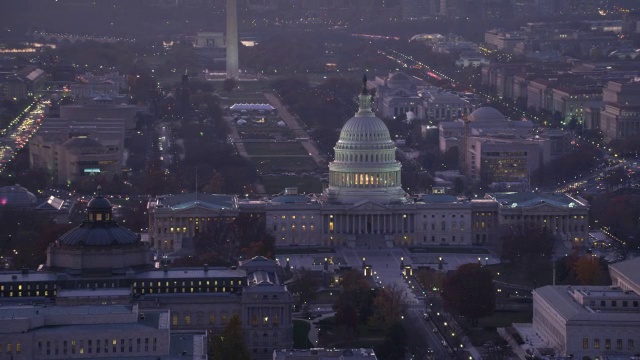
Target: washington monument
{"type": "Point", "coordinates": [232, 40]}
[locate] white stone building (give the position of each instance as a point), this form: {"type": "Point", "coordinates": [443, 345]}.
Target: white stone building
{"type": "Point", "coordinates": [80, 332]}
{"type": "Point", "coordinates": [590, 322]}
{"type": "Point", "coordinates": [500, 151]}
{"type": "Point", "coordinates": [364, 205]}
{"type": "Point", "coordinates": [397, 95]}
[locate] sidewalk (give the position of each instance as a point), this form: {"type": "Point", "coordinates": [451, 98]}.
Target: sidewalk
{"type": "Point", "coordinates": [294, 124]}
{"type": "Point", "coordinates": [314, 331]}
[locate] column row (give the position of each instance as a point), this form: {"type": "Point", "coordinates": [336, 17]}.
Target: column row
{"type": "Point", "coordinates": [359, 180]}
{"type": "Point", "coordinates": [369, 224]}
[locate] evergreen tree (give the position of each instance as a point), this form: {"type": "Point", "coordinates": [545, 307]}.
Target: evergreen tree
{"type": "Point", "coordinates": [229, 345]}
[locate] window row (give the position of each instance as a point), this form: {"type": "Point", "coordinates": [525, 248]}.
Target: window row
{"type": "Point", "coordinates": [294, 227]}
{"type": "Point", "coordinates": [199, 318]}
{"type": "Point", "coordinates": [97, 346]}
{"type": "Point", "coordinates": [607, 344]}
{"type": "Point", "coordinates": [10, 348]}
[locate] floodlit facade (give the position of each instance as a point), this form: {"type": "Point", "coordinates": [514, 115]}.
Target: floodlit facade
{"type": "Point", "coordinates": [364, 205]}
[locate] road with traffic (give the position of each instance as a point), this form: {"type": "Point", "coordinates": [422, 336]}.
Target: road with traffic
{"type": "Point", "coordinates": [17, 135]}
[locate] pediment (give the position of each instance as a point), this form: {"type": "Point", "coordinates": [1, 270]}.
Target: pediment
{"type": "Point", "coordinates": [197, 210]}
{"type": "Point", "coordinates": [545, 208]}
{"type": "Point", "coordinates": [367, 205]}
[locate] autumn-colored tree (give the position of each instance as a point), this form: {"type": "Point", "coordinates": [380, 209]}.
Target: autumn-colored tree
{"type": "Point", "coordinates": [229, 345]}
{"type": "Point", "coordinates": [589, 270]}
{"type": "Point", "coordinates": [215, 185]}
{"type": "Point", "coordinates": [351, 280]}
{"type": "Point", "coordinates": [389, 306]}
{"type": "Point", "coordinates": [356, 299]}
{"type": "Point", "coordinates": [430, 279]}
{"type": "Point", "coordinates": [469, 292]}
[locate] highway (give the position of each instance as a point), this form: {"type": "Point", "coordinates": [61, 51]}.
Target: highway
{"type": "Point", "coordinates": [20, 131]}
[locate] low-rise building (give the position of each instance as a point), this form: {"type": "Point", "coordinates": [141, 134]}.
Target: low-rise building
{"type": "Point", "coordinates": [89, 86]}
{"type": "Point", "coordinates": [21, 83]}
{"type": "Point", "coordinates": [595, 322]}
{"type": "Point", "coordinates": [500, 151]}
{"type": "Point", "coordinates": [101, 107]}
{"type": "Point", "coordinates": [73, 149]}
{"type": "Point", "coordinates": [324, 354]}
{"type": "Point", "coordinates": [619, 117]}
{"type": "Point", "coordinates": [78, 332]}
{"type": "Point", "coordinates": [396, 96]}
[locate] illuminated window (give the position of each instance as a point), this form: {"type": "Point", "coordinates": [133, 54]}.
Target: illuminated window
{"type": "Point", "coordinates": [187, 320]}
{"type": "Point", "coordinates": [212, 319]}
{"type": "Point", "coordinates": [174, 320]}
{"type": "Point", "coordinates": [596, 344]}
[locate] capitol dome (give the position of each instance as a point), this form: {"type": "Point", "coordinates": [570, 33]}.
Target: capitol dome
{"type": "Point", "coordinates": [365, 167]}
{"type": "Point", "coordinates": [486, 114]}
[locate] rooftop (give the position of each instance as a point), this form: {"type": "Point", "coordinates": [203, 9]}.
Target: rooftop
{"type": "Point", "coordinates": [192, 273]}
{"type": "Point", "coordinates": [186, 201]}
{"type": "Point", "coordinates": [438, 199]}
{"type": "Point", "coordinates": [530, 198]}
{"type": "Point", "coordinates": [566, 301]}
{"type": "Point", "coordinates": [12, 312]}
{"type": "Point", "coordinates": [324, 354]}
{"type": "Point", "coordinates": [629, 268]}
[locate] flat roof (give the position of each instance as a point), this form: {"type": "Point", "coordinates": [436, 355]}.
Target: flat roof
{"type": "Point", "coordinates": [12, 312]}
{"type": "Point", "coordinates": [186, 201]}
{"type": "Point", "coordinates": [324, 354]}
{"type": "Point", "coordinates": [562, 301]}
{"type": "Point", "coordinates": [530, 198]}
{"type": "Point", "coordinates": [630, 269]}
{"type": "Point", "coordinates": [191, 273]}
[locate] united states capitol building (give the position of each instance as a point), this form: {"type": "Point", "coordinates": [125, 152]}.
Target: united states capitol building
{"type": "Point", "coordinates": [365, 206]}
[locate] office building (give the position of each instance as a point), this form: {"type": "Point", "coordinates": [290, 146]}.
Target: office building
{"type": "Point", "coordinates": [595, 322]}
